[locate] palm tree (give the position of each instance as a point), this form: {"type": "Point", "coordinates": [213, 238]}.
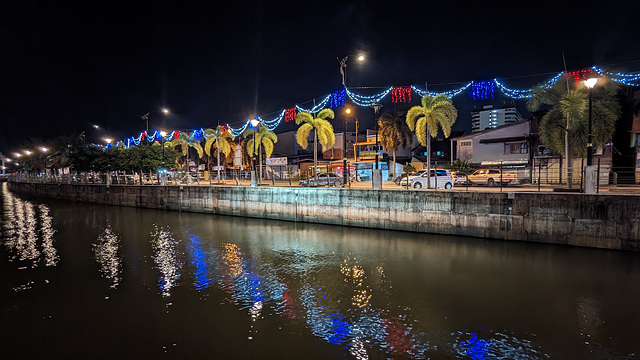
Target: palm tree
{"type": "Point", "coordinates": [564, 127]}
{"type": "Point", "coordinates": [323, 132]}
{"type": "Point", "coordinates": [394, 132]}
{"type": "Point", "coordinates": [424, 120]}
{"type": "Point", "coordinates": [220, 139]}
{"type": "Point", "coordinates": [263, 137]}
{"type": "Point", "coordinates": [185, 141]}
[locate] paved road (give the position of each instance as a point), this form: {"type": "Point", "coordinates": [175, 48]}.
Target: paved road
{"type": "Point", "coordinates": [620, 189]}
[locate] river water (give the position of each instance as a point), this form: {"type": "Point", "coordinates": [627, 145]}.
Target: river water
{"type": "Point", "coordinates": [85, 281]}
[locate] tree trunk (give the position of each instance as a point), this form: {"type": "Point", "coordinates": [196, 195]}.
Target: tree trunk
{"type": "Point", "coordinates": [260, 160]}
{"type": "Point", "coordinates": [315, 155]}
{"type": "Point", "coordinates": [428, 158]}
{"type": "Point", "coordinates": [567, 154]}
{"type": "Point", "coordinates": [218, 158]}
{"type": "Point", "coordinates": [393, 174]}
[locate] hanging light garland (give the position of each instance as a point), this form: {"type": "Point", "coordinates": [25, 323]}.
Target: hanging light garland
{"type": "Point", "coordinates": [290, 114]}
{"type": "Point", "coordinates": [579, 74]}
{"type": "Point", "coordinates": [316, 108]}
{"type": "Point", "coordinates": [480, 90]}
{"type": "Point", "coordinates": [400, 94]}
{"type": "Point", "coordinates": [337, 98]}
{"type": "Point", "coordinates": [367, 101]}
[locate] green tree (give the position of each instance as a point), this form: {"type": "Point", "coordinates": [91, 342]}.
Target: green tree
{"type": "Point", "coordinates": [262, 138]}
{"type": "Point", "coordinates": [220, 140]}
{"type": "Point", "coordinates": [565, 125]}
{"type": "Point", "coordinates": [323, 132]}
{"type": "Point", "coordinates": [433, 113]}
{"type": "Point", "coordinates": [394, 132]}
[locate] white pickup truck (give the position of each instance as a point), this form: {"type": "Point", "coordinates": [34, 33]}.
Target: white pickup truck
{"type": "Point", "coordinates": [491, 177]}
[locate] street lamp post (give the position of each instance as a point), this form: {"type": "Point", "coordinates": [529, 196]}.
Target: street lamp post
{"type": "Point", "coordinates": [254, 124]}
{"type": "Point", "coordinates": [163, 171]}
{"type": "Point", "coordinates": [108, 140]}
{"type": "Point", "coordinates": [145, 117]}
{"type": "Point", "coordinates": [376, 109]}
{"type": "Point", "coordinates": [590, 83]}
{"type": "Point", "coordinates": [345, 174]}
{"type": "Point", "coordinates": [343, 67]}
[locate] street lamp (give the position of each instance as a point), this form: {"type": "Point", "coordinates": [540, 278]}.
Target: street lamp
{"type": "Point", "coordinates": [145, 117]}
{"type": "Point", "coordinates": [343, 67]}
{"type": "Point", "coordinates": [590, 83]}
{"type": "Point", "coordinates": [344, 155]}
{"type": "Point", "coordinates": [376, 109]}
{"type": "Point", "coordinates": [163, 171]}
{"type": "Point", "coordinates": [254, 125]}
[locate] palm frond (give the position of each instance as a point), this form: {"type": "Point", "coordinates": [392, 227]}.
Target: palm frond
{"type": "Point", "coordinates": [302, 135]}
{"type": "Point", "coordinates": [303, 117]}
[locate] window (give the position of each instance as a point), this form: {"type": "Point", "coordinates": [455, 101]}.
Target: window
{"type": "Point", "coordinates": [465, 143]}
{"type": "Point", "coordinates": [516, 148]}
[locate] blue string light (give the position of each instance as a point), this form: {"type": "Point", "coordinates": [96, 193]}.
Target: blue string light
{"type": "Point", "coordinates": [482, 89]}
{"type": "Point", "coordinates": [337, 98]}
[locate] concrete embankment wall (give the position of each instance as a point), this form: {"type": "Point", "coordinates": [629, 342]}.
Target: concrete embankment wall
{"type": "Point", "coordinates": [601, 221]}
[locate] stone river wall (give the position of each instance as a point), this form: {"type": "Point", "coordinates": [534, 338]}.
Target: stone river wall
{"type": "Point", "coordinates": [601, 221]}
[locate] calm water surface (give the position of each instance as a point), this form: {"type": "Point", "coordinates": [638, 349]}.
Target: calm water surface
{"type": "Point", "coordinates": [83, 281]}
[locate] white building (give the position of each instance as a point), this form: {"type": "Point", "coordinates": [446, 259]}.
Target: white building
{"type": "Point", "coordinates": [489, 118]}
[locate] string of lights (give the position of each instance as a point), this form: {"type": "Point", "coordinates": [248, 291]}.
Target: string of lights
{"type": "Point", "coordinates": [480, 90]}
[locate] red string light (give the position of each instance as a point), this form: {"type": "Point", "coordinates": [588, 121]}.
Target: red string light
{"type": "Point", "coordinates": [401, 94]}
{"type": "Point", "coordinates": [290, 114]}
{"type": "Point", "coordinates": [579, 74]}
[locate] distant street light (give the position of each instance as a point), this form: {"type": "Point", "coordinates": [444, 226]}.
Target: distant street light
{"type": "Point", "coordinates": [146, 116]}
{"type": "Point", "coordinates": [590, 83]}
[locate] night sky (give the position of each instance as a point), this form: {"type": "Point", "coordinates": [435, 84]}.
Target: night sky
{"type": "Point", "coordinates": [66, 67]}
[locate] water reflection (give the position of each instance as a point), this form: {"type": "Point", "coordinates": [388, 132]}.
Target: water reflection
{"type": "Point", "coordinates": [107, 255]}
{"type": "Point", "coordinates": [165, 257]}
{"type": "Point", "coordinates": [28, 231]}
{"type": "Point", "coordinates": [361, 294]}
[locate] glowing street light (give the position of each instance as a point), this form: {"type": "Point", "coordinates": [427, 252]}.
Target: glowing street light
{"type": "Point", "coordinates": [145, 117]}
{"type": "Point", "coordinates": [590, 83]}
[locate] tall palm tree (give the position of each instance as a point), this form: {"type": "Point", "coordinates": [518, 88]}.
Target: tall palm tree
{"type": "Point", "coordinates": [184, 142]}
{"type": "Point", "coordinates": [262, 138]}
{"type": "Point", "coordinates": [564, 127]}
{"type": "Point", "coordinates": [219, 139]}
{"type": "Point", "coordinates": [434, 112]}
{"type": "Point", "coordinates": [394, 132]}
{"type": "Point", "coordinates": [323, 132]}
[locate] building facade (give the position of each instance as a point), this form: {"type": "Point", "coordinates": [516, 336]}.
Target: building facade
{"type": "Point", "coordinates": [490, 117]}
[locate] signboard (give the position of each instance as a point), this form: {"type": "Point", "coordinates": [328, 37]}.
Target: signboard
{"type": "Point", "coordinates": [237, 156]}
{"type": "Point", "coordinates": [279, 161]}
{"type": "Point", "coordinates": [368, 154]}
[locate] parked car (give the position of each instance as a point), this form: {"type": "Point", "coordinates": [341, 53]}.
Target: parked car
{"type": "Point", "coordinates": [440, 178]}
{"type": "Point", "coordinates": [459, 178]}
{"type": "Point", "coordinates": [404, 180]}
{"type": "Point", "coordinates": [491, 177]}
{"type": "Point", "coordinates": [323, 179]}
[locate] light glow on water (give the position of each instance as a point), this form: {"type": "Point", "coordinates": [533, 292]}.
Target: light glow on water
{"type": "Point", "coordinates": [247, 288]}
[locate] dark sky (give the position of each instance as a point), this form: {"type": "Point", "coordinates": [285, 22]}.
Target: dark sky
{"type": "Point", "coordinates": [65, 67]}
